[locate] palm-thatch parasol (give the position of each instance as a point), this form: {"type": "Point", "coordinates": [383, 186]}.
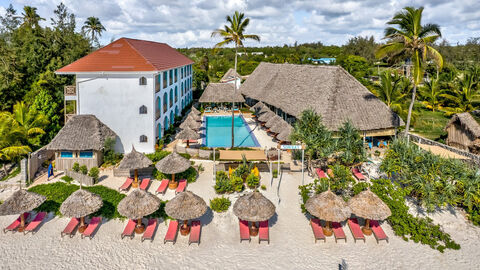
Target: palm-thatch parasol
{"type": "Point", "coordinates": [135, 161]}
{"type": "Point", "coordinates": [329, 207]}
{"type": "Point", "coordinates": [188, 134]}
{"type": "Point", "coordinates": [254, 207]}
{"type": "Point", "coordinates": [172, 164]}
{"type": "Point", "coordinates": [20, 202]}
{"type": "Point", "coordinates": [368, 205]}
{"type": "Point", "coordinates": [257, 106]}
{"type": "Point", "coordinates": [190, 123]}
{"type": "Point", "coordinates": [262, 110]}
{"type": "Point", "coordinates": [194, 116]}
{"type": "Point", "coordinates": [80, 204]}
{"type": "Point", "coordinates": [185, 206]}
{"type": "Point", "coordinates": [279, 126]}
{"type": "Point", "coordinates": [272, 121]}
{"type": "Point", "coordinates": [266, 116]}
{"type": "Point", "coordinates": [136, 205]}
{"type": "Point", "coordinates": [195, 111]}
{"type": "Point", "coordinates": [284, 136]}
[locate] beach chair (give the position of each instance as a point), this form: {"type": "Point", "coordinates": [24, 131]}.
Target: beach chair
{"type": "Point", "coordinates": [263, 231]}
{"type": "Point", "coordinates": [360, 177]}
{"type": "Point", "coordinates": [70, 229]}
{"type": "Point", "coordinates": [320, 173]}
{"type": "Point", "coordinates": [317, 230]}
{"type": "Point", "coordinates": [195, 231]}
{"type": "Point", "coordinates": [355, 229]}
{"type": "Point", "coordinates": [330, 173]}
{"type": "Point", "coordinates": [33, 225]}
{"type": "Point", "coordinates": [150, 231]}
{"type": "Point", "coordinates": [244, 230]}
{"type": "Point", "coordinates": [172, 232]}
{"type": "Point", "coordinates": [378, 231]}
{"type": "Point", "coordinates": [145, 183]}
{"type": "Point", "coordinates": [126, 185]}
{"type": "Point", "coordinates": [92, 227]}
{"type": "Point", "coordinates": [15, 224]}
{"type": "Point", "coordinates": [338, 231]}
{"type": "Point", "coordinates": [182, 184]}
{"type": "Point", "coordinates": [129, 229]}
{"type": "Point", "coordinates": [163, 187]}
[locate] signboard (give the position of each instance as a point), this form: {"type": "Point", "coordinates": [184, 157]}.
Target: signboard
{"type": "Point", "coordinates": [291, 147]}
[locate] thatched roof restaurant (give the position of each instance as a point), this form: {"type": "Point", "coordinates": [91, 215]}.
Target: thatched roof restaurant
{"type": "Point", "coordinates": [463, 131]}
{"type": "Point", "coordinates": [230, 75]}
{"type": "Point", "coordinates": [220, 93]}
{"type": "Point", "coordinates": [329, 90]}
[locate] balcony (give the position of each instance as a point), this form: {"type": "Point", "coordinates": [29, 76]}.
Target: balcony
{"type": "Point", "coordinates": [70, 90]}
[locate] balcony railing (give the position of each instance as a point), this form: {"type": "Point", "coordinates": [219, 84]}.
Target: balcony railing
{"type": "Point", "coordinates": [70, 90]}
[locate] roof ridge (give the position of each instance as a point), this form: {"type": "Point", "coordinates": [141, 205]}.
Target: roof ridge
{"type": "Point", "coordinates": [141, 55]}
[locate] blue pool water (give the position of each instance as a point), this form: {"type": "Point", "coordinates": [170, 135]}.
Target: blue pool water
{"type": "Point", "coordinates": [218, 131]}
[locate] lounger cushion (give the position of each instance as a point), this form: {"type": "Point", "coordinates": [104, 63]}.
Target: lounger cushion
{"type": "Point", "coordinates": [195, 232]}
{"type": "Point", "coordinates": [151, 227]}
{"type": "Point", "coordinates": [36, 221]}
{"type": "Point", "coordinates": [94, 222]}
{"type": "Point", "coordinates": [172, 231]}
{"type": "Point", "coordinates": [317, 228]}
{"type": "Point", "coordinates": [338, 230]}
{"type": "Point", "coordinates": [128, 231]}
{"type": "Point", "coordinates": [355, 228]}
{"type": "Point", "coordinates": [377, 230]}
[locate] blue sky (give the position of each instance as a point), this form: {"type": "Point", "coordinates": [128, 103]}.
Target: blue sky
{"type": "Point", "coordinates": [188, 23]}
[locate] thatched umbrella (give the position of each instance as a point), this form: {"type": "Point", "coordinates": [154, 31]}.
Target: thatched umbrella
{"type": "Point", "coordinates": [135, 161]}
{"type": "Point", "coordinates": [185, 206]}
{"type": "Point", "coordinates": [190, 123]}
{"type": "Point", "coordinates": [194, 116]}
{"type": "Point", "coordinates": [329, 207]}
{"type": "Point", "coordinates": [279, 126]}
{"type": "Point", "coordinates": [266, 116]}
{"type": "Point", "coordinates": [79, 204]}
{"type": "Point", "coordinates": [257, 106]}
{"type": "Point", "coordinates": [272, 121]}
{"type": "Point", "coordinates": [195, 111]}
{"type": "Point", "coordinates": [368, 205]}
{"type": "Point", "coordinates": [136, 205]}
{"type": "Point", "coordinates": [20, 202]}
{"type": "Point", "coordinates": [253, 207]}
{"type": "Point", "coordinates": [262, 110]}
{"type": "Point", "coordinates": [188, 134]}
{"type": "Point", "coordinates": [284, 136]}
{"type": "Point", "coordinates": [172, 164]}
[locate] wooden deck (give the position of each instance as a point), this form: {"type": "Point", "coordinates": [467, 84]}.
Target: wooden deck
{"type": "Point", "coordinates": [237, 155]}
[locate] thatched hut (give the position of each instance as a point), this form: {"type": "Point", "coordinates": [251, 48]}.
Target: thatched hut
{"type": "Point", "coordinates": [253, 207]}
{"type": "Point", "coordinates": [186, 205]}
{"type": "Point", "coordinates": [369, 206]}
{"type": "Point", "coordinates": [329, 207]}
{"type": "Point", "coordinates": [20, 202]}
{"type": "Point", "coordinates": [81, 141]}
{"type": "Point", "coordinates": [230, 76]}
{"type": "Point", "coordinates": [462, 131]}
{"type": "Point", "coordinates": [79, 204]}
{"type": "Point", "coordinates": [173, 164]}
{"type": "Point", "coordinates": [134, 161]}
{"type": "Point", "coordinates": [137, 205]}
{"type": "Point", "coordinates": [221, 93]}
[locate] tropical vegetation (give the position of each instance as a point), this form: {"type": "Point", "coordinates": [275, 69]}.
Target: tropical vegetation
{"type": "Point", "coordinates": [220, 204]}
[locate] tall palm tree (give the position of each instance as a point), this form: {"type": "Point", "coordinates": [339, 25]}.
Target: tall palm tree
{"type": "Point", "coordinates": [10, 147]}
{"type": "Point", "coordinates": [30, 16]}
{"type": "Point", "coordinates": [411, 40]}
{"type": "Point", "coordinates": [466, 96]}
{"type": "Point", "coordinates": [431, 93]}
{"type": "Point", "coordinates": [94, 27]}
{"type": "Point", "coordinates": [234, 34]}
{"type": "Point", "coordinates": [390, 90]}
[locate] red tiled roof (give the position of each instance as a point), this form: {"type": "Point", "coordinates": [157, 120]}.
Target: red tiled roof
{"type": "Point", "coordinates": [127, 54]}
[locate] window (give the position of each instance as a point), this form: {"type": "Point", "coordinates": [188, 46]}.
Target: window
{"type": "Point", "coordinates": [181, 72]}
{"type": "Point", "coordinates": [176, 110]}
{"type": "Point", "coordinates": [170, 77]}
{"type": "Point", "coordinates": [66, 154]}
{"type": "Point", "coordinates": [165, 102]}
{"type": "Point", "coordinates": [176, 75]}
{"type": "Point", "coordinates": [159, 131]}
{"type": "Point", "coordinates": [143, 109]}
{"type": "Point", "coordinates": [166, 124]}
{"type": "Point", "coordinates": [157, 83]}
{"type": "Point", "coordinates": [176, 94]}
{"type": "Point", "coordinates": [143, 138]}
{"type": "Point", "coordinates": [165, 79]}
{"type": "Point", "coordinates": [181, 88]}
{"type": "Point", "coordinates": [172, 118]}
{"type": "Point", "coordinates": [143, 81]}
{"type": "Point", "coordinates": [86, 154]}
{"type": "Point", "coordinates": [171, 98]}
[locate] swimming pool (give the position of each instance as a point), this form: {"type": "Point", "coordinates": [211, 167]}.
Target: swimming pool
{"type": "Point", "coordinates": [218, 132]}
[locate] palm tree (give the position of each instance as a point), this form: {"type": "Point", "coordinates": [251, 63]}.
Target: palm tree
{"type": "Point", "coordinates": [234, 34]}
{"type": "Point", "coordinates": [411, 40]}
{"type": "Point", "coordinates": [94, 27]}
{"type": "Point", "coordinates": [465, 96]}
{"type": "Point", "coordinates": [431, 94]}
{"type": "Point", "coordinates": [30, 16]}
{"type": "Point", "coordinates": [10, 148]}
{"type": "Point", "coordinates": [390, 91]}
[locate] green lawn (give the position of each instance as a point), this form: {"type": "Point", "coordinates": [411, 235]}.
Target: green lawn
{"type": "Point", "coordinates": [430, 124]}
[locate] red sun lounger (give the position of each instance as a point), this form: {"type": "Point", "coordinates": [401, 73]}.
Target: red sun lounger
{"type": "Point", "coordinates": [15, 224]}
{"type": "Point", "coordinates": [32, 226]}
{"type": "Point", "coordinates": [92, 227]}
{"type": "Point", "coordinates": [244, 230]}
{"type": "Point", "coordinates": [263, 231]}
{"type": "Point", "coordinates": [126, 185]}
{"type": "Point", "coordinates": [355, 229]}
{"type": "Point", "coordinates": [172, 231]}
{"type": "Point", "coordinates": [150, 231]}
{"type": "Point", "coordinates": [358, 175]}
{"type": "Point", "coordinates": [129, 229]}
{"type": "Point", "coordinates": [145, 183]}
{"type": "Point", "coordinates": [378, 231]}
{"type": "Point", "coordinates": [195, 232]}
{"type": "Point", "coordinates": [71, 226]}
{"type": "Point", "coordinates": [182, 184]}
{"type": "Point", "coordinates": [321, 174]}
{"type": "Point", "coordinates": [163, 186]}
{"type": "Point", "coordinates": [338, 231]}
{"type": "Point", "coordinates": [317, 230]}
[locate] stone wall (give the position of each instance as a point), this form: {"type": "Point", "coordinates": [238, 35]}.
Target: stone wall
{"type": "Point", "coordinates": [80, 177]}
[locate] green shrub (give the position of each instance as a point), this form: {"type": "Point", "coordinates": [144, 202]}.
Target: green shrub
{"type": "Point", "coordinates": [359, 187]}
{"type": "Point", "coordinates": [220, 204]}
{"type": "Point", "coordinates": [67, 179]}
{"type": "Point", "coordinates": [110, 157]}
{"type": "Point", "coordinates": [94, 172]}
{"type": "Point", "coordinates": [244, 169]}
{"type": "Point", "coordinates": [252, 181]}
{"type": "Point", "coordinates": [275, 173]}
{"type": "Point", "coordinates": [160, 213]}
{"type": "Point", "coordinates": [342, 179]}
{"type": "Point", "coordinates": [223, 183]}
{"type": "Point", "coordinates": [237, 183]}
{"type": "Point", "coordinates": [83, 169]}
{"type": "Point", "coordinates": [263, 187]}
{"type": "Point", "coordinates": [76, 167]}
{"type": "Point", "coordinates": [157, 155]}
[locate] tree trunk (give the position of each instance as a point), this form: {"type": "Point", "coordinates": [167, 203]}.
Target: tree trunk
{"type": "Point", "coordinates": [234, 91]}
{"type": "Point", "coordinates": [410, 108]}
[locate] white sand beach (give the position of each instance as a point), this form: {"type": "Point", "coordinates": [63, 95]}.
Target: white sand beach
{"type": "Point", "coordinates": [291, 241]}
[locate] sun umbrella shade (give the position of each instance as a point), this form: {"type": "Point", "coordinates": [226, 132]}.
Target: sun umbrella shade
{"type": "Point", "coordinates": [285, 135]}
{"type": "Point", "coordinates": [253, 207]}
{"type": "Point", "coordinates": [194, 116]}
{"type": "Point", "coordinates": [328, 206]}
{"type": "Point", "coordinates": [20, 202]}
{"type": "Point", "coordinates": [266, 116]}
{"type": "Point", "coordinates": [368, 205]}
{"type": "Point", "coordinates": [272, 121]}
{"type": "Point", "coordinates": [263, 110]}
{"type": "Point", "coordinates": [279, 126]}
{"type": "Point", "coordinates": [188, 134]}
{"type": "Point", "coordinates": [195, 111]}
{"type": "Point", "coordinates": [134, 160]}
{"type": "Point", "coordinates": [81, 203]}
{"type": "Point", "coordinates": [172, 164]}
{"type": "Point", "coordinates": [257, 106]}
{"type": "Point", "coordinates": [185, 206]}
{"type": "Point", "coordinates": [138, 204]}
{"type": "Point", "coordinates": [190, 123]}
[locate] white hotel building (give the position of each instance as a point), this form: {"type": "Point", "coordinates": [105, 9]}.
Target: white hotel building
{"type": "Point", "coordinates": [135, 87]}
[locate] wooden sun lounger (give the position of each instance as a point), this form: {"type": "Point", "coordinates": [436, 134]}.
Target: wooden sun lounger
{"type": "Point", "coordinates": [145, 183]}
{"type": "Point", "coordinates": [70, 228]}
{"type": "Point", "coordinates": [92, 227]}
{"type": "Point", "coordinates": [317, 230]}
{"type": "Point", "coordinates": [358, 174]}
{"type": "Point", "coordinates": [378, 231]}
{"type": "Point", "coordinates": [338, 231]}
{"type": "Point", "coordinates": [163, 187]}
{"type": "Point", "coordinates": [129, 229]}
{"type": "Point", "coordinates": [33, 225]}
{"type": "Point", "coordinates": [182, 184]}
{"type": "Point", "coordinates": [320, 173]}
{"type": "Point", "coordinates": [126, 185]}
{"type": "Point", "coordinates": [263, 234]}
{"type": "Point", "coordinates": [15, 224]}
{"type": "Point", "coordinates": [172, 232]}
{"type": "Point", "coordinates": [355, 229]}
{"type": "Point", "coordinates": [244, 230]}
{"type": "Point", "coordinates": [195, 232]}
{"type": "Point", "coordinates": [150, 231]}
